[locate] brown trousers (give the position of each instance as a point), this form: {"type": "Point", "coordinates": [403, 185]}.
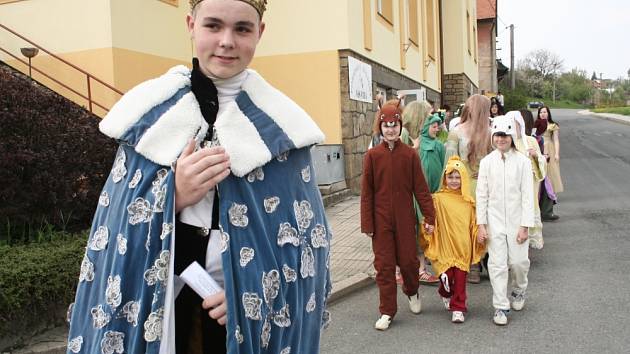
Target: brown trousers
{"type": "Point", "coordinates": [391, 249]}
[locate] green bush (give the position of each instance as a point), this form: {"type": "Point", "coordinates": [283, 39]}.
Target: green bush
{"type": "Point", "coordinates": [616, 110]}
{"type": "Point", "coordinates": [37, 283]}
{"type": "Point", "coordinates": [514, 101]}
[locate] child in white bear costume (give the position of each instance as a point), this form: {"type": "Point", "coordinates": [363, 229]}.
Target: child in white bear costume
{"type": "Point", "coordinates": [504, 212]}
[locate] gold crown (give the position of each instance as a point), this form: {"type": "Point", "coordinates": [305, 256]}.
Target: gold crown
{"type": "Point", "coordinates": [259, 5]}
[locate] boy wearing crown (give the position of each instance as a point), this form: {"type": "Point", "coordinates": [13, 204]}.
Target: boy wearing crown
{"type": "Point", "coordinates": [505, 211]}
{"type": "Point", "coordinates": [196, 179]}
{"type": "Point", "coordinates": [392, 177]}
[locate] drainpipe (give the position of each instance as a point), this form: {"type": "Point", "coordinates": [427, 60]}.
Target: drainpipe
{"type": "Point", "coordinates": [495, 75]}
{"type": "Point", "coordinates": [441, 55]}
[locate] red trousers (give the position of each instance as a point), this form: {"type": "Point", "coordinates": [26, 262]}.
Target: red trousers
{"type": "Point", "coordinates": [391, 249]}
{"type": "Point", "coordinates": [457, 287]}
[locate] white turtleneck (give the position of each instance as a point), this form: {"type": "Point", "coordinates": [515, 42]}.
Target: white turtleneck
{"type": "Point", "coordinates": [200, 214]}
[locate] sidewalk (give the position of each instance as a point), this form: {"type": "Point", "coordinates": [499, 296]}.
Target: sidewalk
{"type": "Point", "coordinates": [351, 259]}
{"type": "Point", "coordinates": [619, 118]}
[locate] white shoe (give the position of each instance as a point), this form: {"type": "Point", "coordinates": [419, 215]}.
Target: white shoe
{"type": "Point", "coordinates": [415, 305]}
{"type": "Point", "coordinates": [500, 317]}
{"type": "Point", "coordinates": [458, 317]}
{"type": "Point", "coordinates": [447, 303]}
{"type": "Point", "coordinates": [383, 322]}
{"type": "Point", "coordinates": [518, 301]}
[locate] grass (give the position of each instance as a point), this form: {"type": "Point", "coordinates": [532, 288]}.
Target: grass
{"type": "Point", "coordinates": [618, 110]}
{"type": "Point", "coordinates": [565, 104]}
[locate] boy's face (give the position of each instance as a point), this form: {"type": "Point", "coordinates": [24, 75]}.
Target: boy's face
{"type": "Point", "coordinates": [390, 134]}
{"type": "Point", "coordinates": [434, 129]}
{"type": "Point", "coordinates": [225, 34]}
{"type": "Point", "coordinates": [453, 180]}
{"type": "Point", "coordinates": [502, 142]}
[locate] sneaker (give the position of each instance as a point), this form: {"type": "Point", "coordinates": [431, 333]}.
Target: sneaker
{"type": "Point", "coordinates": [427, 278]}
{"type": "Point", "coordinates": [457, 317]}
{"type": "Point", "coordinates": [474, 276]}
{"type": "Point", "coordinates": [383, 322]}
{"type": "Point", "coordinates": [500, 317]}
{"type": "Point", "coordinates": [447, 303]}
{"type": "Point", "coordinates": [415, 305]}
{"type": "Point", "coordinates": [535, 244]}
{"type": "Point", "coordinates": [518, 301]}
{"type": "Point", "coordinates": [552, 217]}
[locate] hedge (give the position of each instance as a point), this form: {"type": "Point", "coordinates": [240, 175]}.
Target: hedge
{"type": "Point", "coordinates": [53, 160]}
{"type": "Point", "coordinates": [37, 283]}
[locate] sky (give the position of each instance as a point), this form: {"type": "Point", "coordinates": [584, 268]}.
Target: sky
{"type": "Point", "coordinates": [593, 35]}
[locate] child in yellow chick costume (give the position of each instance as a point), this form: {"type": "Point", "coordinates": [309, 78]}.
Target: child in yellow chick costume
{"type": "Point", "coordinates": [453, 246]}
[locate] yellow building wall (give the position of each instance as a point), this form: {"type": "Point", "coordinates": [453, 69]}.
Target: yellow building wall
{"type": "Point", "coordinates": [471, 66]}
{"type": "Point", "coordinates": [59, 25]}
{"type": "Point", "coordinates": [152, 27]}
{"type": "Point", "coordinates": [133, 67]}
{"type": "Point", "coordinates": [304, 26]}
{"type": "Point", "coordinates": [312, 81]}
{"type": "Point", "coordinates": [97, 62]}
{"type": "Point", "coordinates": [387, 41]}
{"type": "Point", "coordinates": [457, 59]}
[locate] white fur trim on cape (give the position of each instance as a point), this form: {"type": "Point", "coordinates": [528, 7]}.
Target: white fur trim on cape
{"type": "Point", "coordinates": [165, 139]}
{"type": "Point", "coordinates": [140, 99]}
{"type": "Point", "coordinates": [295, 122]}
{"type": "Point", "coordinates": [241, 141]}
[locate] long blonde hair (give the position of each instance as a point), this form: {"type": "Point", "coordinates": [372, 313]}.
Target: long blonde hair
{"type": "Point", "coordinates": [414, 116]}
{"type": "Point", "coordinates": [475, 115]}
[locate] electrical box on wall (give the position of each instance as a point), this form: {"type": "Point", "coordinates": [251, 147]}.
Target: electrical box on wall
{"type": "Point", "coordinates": [329, 163]}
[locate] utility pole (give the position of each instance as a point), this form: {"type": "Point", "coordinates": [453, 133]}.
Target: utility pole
{"type": "Point", "coordinates": [512, 73]}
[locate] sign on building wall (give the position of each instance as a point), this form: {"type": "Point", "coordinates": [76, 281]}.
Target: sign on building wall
{"type": "Point", "coordinates": [360, 79]}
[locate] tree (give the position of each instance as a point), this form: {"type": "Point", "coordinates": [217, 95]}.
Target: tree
{"type": "Point", "coordinates": [594, 76]}
{"type": "Point", "coordinates": [544, 65]}
{"type": "Point", "coordinates": [575, 86]}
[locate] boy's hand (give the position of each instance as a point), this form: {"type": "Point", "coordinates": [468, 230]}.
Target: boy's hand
{"type": "Point", "coordinates": [482, 234]}
{"type": "Point", "coordinates": [428, 228]}
{"type": "Point", "coordinates": [197, 172]}
{"type": "Point", "coordinates": [522, 235]}
{"type": "Point", "coordinates": [217, 307]}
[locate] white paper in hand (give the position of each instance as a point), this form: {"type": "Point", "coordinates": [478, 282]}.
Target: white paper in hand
{"type": "Point", "coordinates": [200, 281]}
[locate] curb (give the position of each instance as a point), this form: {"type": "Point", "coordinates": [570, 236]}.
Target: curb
{"type": "Point", "coordinates": [607, 116]}
{"type": "Point", "coordinates": [348, 286]}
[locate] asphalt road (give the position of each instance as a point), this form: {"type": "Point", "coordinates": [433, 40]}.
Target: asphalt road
{"type": "Point", "coordinates": [579, 292]}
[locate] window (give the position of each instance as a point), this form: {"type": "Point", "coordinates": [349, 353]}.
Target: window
{"type": "Point", "coordinates": [475, 43]}
{"type": "Point", "coordinates": [431, 29]}
{"type": "Point", "coordinates": [413, 22]}
{"type": "Point", "coordinates": [385, 9]}
{"type": "Point", "coordinates": [468, 35]}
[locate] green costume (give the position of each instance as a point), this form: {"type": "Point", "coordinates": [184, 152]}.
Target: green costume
{"type": "Point", "coordinates": [432, 154]}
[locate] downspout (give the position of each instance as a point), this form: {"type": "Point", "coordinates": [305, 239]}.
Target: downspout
{"type": "Point", "coordinates": [441, 56]}
{"type": "Point", "coordinates": [495, 74]}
